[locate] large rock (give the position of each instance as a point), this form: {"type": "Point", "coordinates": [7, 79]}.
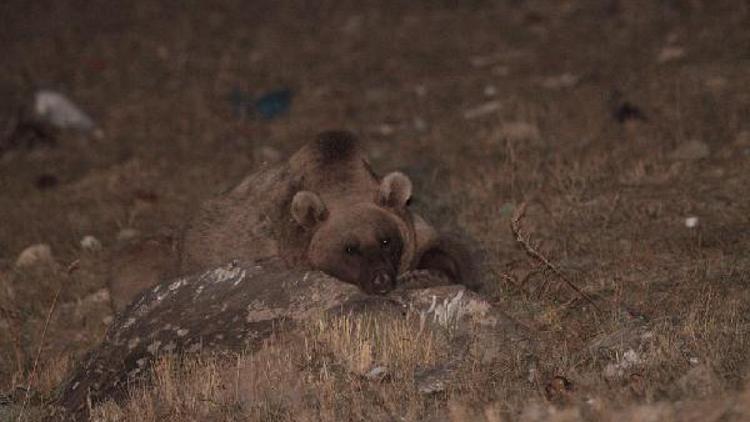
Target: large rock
{"type": "Point", "coordinates": [234, 307]}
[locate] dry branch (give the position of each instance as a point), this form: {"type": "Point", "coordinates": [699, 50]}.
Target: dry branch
{"type": "Point", "coordinates": [515, 226]}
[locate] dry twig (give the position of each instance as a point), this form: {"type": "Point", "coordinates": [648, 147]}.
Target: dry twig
{"type": "Point", "coordinates": [515, 226]}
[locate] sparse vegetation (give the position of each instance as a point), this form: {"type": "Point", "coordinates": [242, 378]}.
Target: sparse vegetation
{"type": "Point", "coordinates": [607, 195]}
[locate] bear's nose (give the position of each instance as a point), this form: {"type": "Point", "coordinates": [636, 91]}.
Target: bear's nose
{"type": "Point", "coordinates": [382, 281]}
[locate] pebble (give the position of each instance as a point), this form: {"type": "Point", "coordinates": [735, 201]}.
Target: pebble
{"type": "Point", "coordinates": [484, 109]}
{"type": "Point", "coordinates": [90, 243]}
{"type": "Point", "coordinates": [128, 234]}
{"type": "Point", "coordinates": [691, 222]}
{"type": "Point", "coordinates": [670, 53]}
{"type": "Point", "coordinates": [377, 373]}
{"type": "Point", "coordinates": [566, 80]}
{"type": "Point", "coordinates": [35, 254]}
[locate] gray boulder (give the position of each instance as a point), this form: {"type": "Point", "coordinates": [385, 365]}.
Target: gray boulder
{"type": "Point", "coordinates": [235, 307]}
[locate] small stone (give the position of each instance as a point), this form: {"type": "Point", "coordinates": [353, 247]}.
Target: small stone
{"type": "Point", "coordinates": [127, 234]}
{"type": "Point", "coordinates": [90, 243]}
{"type": "Point", "coordinates": [566, 80]}
{"type": "Point", "coordinates": [691, 222]}
{"type": "Point", "coordinates": [35, 254]}
{"type": "Point", "coordinates": [489, 91]}
{"type": "Point", "coordinates": [378, 373]}
{"type": "Point", "coordinates": [420, 125]}
{"type": "Point", "coordinates": [481, 110]}
{"type": "Point", "coordinates": [267, 155]}
{"type": "Point", "coordinates": [385, 129]}
{"type": "Point", "coordinates": [670, 53]}
{"type": "Point", "coordinates": [690, 151]}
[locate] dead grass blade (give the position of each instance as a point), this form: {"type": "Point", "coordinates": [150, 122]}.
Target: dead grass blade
{"type": "Point", "coordinates": [71, 268]}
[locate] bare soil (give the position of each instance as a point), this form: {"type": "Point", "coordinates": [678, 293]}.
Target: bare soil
{"type": "Point", "coordinates": [624, 126]}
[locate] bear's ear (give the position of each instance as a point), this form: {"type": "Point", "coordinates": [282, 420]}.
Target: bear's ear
{"type": "Point", "coordinates": [308, 209]}
{"type": "Point", "coordinates": [395, 190]}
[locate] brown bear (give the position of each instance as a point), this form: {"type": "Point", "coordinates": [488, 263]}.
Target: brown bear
{"type": "Point", "coordinates": [324, 209]}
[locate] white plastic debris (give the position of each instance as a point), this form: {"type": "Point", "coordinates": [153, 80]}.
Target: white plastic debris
{"type": "Point", "coordinates": [35, 254]}
{"type": "Point", "coordinates": [90, 243]}
{"type": "Point", "coordinates": [57, 110]}
{"type": "Point", "coordinates": [691, 222]}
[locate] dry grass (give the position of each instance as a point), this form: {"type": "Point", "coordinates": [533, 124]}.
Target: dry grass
{"type": "Point", "coordinates": [606, 201]}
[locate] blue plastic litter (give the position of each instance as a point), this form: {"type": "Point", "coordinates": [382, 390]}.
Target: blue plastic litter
{"type": "Point", "coordinates": [274, 104]}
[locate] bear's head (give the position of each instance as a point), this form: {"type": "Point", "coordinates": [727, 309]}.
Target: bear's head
{"type": "Point", "coordinates": [358, 242]}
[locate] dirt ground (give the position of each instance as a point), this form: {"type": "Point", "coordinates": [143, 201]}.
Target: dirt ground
{"type": "Point", "coordinates": [624, 126]}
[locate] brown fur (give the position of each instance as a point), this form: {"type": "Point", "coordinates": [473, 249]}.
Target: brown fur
{"type": "Point", "coordinates": [310, 210]}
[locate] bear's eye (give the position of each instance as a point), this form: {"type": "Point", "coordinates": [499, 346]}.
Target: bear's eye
{"type": "Point", "coordinates": [385, 243]}
{"type": "Point", "coordinates": [351, 250]}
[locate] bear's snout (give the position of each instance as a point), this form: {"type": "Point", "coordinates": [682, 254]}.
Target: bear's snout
{"type": "Point", "coordinates": [382, 282]}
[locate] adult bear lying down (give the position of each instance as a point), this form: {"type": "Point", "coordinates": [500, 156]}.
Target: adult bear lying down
{"type": "Point", "coordinates": [325, 209]}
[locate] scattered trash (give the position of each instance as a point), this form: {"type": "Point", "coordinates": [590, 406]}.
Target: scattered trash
{"type": "Point", "coordinates": [566, 80]}
{"type": "Point", "coordinates": [482, 110]}
{"type": "Point", "coordinates": [626, 111]}
{"type": "Point", "coordinates": [90, 243]}
{"type": "Point", "coordinates": [35, 254]}
{"type": "Point", "coordinates": [46, 181]}
{"type": "Point", "coordinates": [59, 111]}
{"type": "Point", "coordinates": [274, 103]}
{"type": "Point", "coordinates": [691, 222]}
{"type": "Point", "coordinates": [269, 106]}
{"type": "Point", "coordinates": [690, 151]}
